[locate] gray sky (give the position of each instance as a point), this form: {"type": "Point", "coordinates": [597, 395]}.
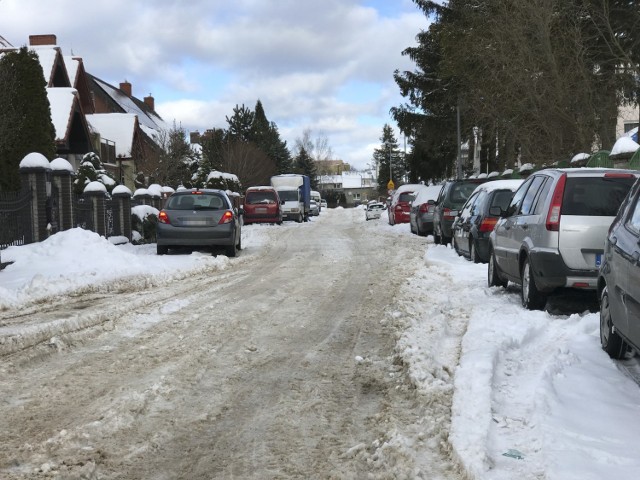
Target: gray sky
{"type": "Point", "coordinates": [326, 65]}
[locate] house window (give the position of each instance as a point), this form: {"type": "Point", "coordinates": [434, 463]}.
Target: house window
{"type": "Point", "coordinates": [356, 196]}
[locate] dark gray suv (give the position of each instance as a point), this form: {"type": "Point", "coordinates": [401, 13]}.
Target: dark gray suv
{"type": "Point", "coordinates": [552, 234]}
{"type": "Point", "coordinates": [452, 197]}
{"type": "Point", "coordinates": [619, 280]}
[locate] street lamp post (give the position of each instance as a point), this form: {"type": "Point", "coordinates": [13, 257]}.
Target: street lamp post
{"type": "Point", "coordinates": [390, 174]}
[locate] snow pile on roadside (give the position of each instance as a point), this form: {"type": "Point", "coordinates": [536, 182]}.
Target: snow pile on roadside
{"type": "Point", "coordinates": [78, 259]}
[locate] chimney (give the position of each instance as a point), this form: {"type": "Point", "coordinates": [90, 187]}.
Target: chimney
{"type": "Point", "coordinates": [149, 101]}
{"type": "Point", "coordinates": [48, 39]}
{"type": "Point", "coordinates": [126, 88]}
{"type": "Point", "coordinates": [194, 137]}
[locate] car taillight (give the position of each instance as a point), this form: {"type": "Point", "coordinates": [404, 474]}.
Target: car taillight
{"type": "Point", "coordinates": [619, 175]}
{"type": "Point", "coordinates": [398, 207]}
{"type": "Point", "coordinates": [553, 217]}
{"type": "Point", "coordinates": [227, 217]}
{"type": "Point", "coordinates": [487, 224]}
{"type": "Point", "coordinates": [449, 214]}
{"type": "Point", "coordinates": [163, 217]}
{"type": "Point", "coordinates": [424, 208]}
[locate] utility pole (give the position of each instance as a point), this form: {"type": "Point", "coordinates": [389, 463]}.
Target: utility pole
{"type": "Point", "coordinates": [390, 175]}
{"type": "Point", "coordinates": [459, 159]}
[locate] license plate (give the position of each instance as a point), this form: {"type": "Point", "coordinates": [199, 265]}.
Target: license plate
{"type": "Point", "coordinates": [261, 210]}
{"type": "Point", "coordinates": [195, 223]}
{"type": "Point", "coordinates": [598, 259]}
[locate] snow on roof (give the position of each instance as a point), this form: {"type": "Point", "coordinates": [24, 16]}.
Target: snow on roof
{"type": "Point", "coordinates": [150, 124]}
{"type": "Point", "coordinates": [624, 145]}
{"type": "Point", "coordinates": [427, 193]}
{"type": "Point", "coordinates": [117, 127]}
{"type": "Point", "coordinates": [61, 164]}
{"type": "Point", "coordinates": [72, 64]}
{"type": "Point", "coordinates": [34, 160]}
{"type": "Point", "coordinates": [61, 100]}
{"type": "Point", "coordinates": [47, 55]}
{"type": "Point", "coordinates": [526, 167]}
{"type": "Point", "coordinates": [493, 174]}
{"type": "Point", "coordinates": [492, 185]}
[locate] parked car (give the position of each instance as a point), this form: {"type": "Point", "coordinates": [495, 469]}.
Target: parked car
{"type": "Point", "coordinates": [315, 195]}
{"type": "Point", "coordinates": [452, 197]}
{"type": "Point", "coordinates": [373, 210]}
{"type": "Point", "coordinates": [314, 208]}
{"type": "Point", "coordinates": [400, 201]}
{"type": "Point", "coordinates": [474, 223]}
{"type": "Point", "coordinates": [262, 205]}
{"type": "Point", "coordinates": [422, 208]}
{"type": "Point", "coordinates": [323, 204]}
{"type": "Point", "coordinates": [619, 280]}
{"type": "Point", "coordinates": [199, 218]}
{"type": "Point", "coordinates": [552, 234]}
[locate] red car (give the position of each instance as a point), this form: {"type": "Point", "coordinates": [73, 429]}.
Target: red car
{"type": "Point", "coordinates": [262, 205]}
{"type": "Point", "coordinates": [401, 203]}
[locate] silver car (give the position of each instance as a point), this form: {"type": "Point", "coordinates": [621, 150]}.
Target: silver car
{"type": "Point", "coordinates": [199, 218]}
{"type": "Point", "coordinates": [552, 234]}
{"type": "Point", "coordinates": [422, 208]}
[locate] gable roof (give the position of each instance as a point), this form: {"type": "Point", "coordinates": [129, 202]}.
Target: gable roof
{"type": "Point", "coordinates": [62, 107]}
{"type": "Point", "coordinates": [150, 122]}
{"type": "Point", "coordinates": [117, 127]}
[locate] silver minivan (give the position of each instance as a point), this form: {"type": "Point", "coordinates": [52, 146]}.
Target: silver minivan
{"type": "Point", "coordinates": [552, 234]}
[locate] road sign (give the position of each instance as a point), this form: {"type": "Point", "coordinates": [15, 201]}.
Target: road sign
{"type": "Point", "coordinates": [390, 185]}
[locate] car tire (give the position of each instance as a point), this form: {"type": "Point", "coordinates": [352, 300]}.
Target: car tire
{"type": "Point", "coordinates": [473, 251]}
{"type": "Point", "coordinates": [411, 227]}
{"type": "Point", "coordinates": [239, 241]}
{"type": "Point", "coordinates": [455, 247]}
{"type": "Point", "coordinates": [300, 218]}
{"type": "Point", "coordinates": [231, 251]}
{"type": "Point", "coordinates": [162, 249]}
{"type": "Point", "coordinates": [436, 236]}
{"type": "Point", "coordinates": [611, 342]}
{"type": "Point", "coordinates": [532, 298]}
{"type": "Point", "coordinates": [493, 275]}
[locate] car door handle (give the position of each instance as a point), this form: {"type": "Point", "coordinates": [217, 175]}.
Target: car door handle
{"type": "Point", "coordinates": [613, 239]}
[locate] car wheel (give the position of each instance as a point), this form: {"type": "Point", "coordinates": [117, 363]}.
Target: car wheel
{"type": "Point", "coordinates": [532, 299]}
{"type": "Point", "coordinates": [239, 240]}
{"type": "Point", "coordinates": [473, 251]}
{"type": "Point", "coordinates": [611, 342]}
{"type": "Point", "coordinates": [436, 236]}
{"type": "Point", "coordinates": [455, 246]}
{"type": "Point", "coordinates": [493, 276]}
{"type": "Point", "coordinates": [162, 249]}
{"type": "Point", "coordinates": [300, 218]}
{"type": "Point", "coordinates": [231, 251]}
{"type": "Point", "coordinates": [413, 230]}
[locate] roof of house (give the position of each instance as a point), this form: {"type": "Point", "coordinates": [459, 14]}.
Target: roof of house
{"type": "Point", "coordinates": [150, 122]}
{"type": "Point", "coordinates": [117, 127]}
{"type": "Point", "coordinates": [62, 107]}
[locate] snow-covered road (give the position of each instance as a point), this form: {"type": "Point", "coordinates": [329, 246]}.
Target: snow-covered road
{"type": "Point", "coordinates": [281, 364]}
{"type": "Point", "coordinates": [338, 348]}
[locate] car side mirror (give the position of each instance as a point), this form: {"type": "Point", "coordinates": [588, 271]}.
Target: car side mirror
{"type": "Point", "coordinates": [431, 202]}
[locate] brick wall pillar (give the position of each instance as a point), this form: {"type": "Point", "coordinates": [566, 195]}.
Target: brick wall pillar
{"type": "Point", "coordinates": [97, 200]}
{"type": "Point", "coordinates": [63, 181]}
{"type": "Point", "coordinates": [37, 181]}
{"type": "Point", "coordinates": [124, 211]}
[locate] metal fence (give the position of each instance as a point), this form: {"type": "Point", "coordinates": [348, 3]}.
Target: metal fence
{"type": "Point", "coordinates": [15, 218]}
{"type": "Point", "coordinates": [83, 210]}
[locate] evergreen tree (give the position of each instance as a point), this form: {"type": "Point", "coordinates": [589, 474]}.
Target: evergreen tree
{"type": "Point", "coordinates": [91, 169]}
{"type": "Point", "coordinates": [389, 152]}
{"type": "Point", "coordinates": [178, 161]}
{"type": "Point", "coordinates": [240, 123]}
{"type": "Point", "coordinates": [25, 114]}
{"type": "Point", "coordinates": [306, 166]}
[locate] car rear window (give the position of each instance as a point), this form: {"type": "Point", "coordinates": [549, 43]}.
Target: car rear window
{"type": "Point", "coordinates": [460, 192]}
{"type": "Point", "coordinates": [595, 196]}
{"type": "Point", "coordinates": [406, 197]}
{"type": "Point", "coordinates": [502, 198]}
{"type": "Point", "coordinates": [254, 198]}
{"type": "Point", "coordinates": [203, 201]}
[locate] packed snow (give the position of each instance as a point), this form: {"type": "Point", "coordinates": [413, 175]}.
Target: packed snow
{"type": "Point", "coordinates": [534, 395]}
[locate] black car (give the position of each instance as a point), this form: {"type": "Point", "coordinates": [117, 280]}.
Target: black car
{"type": "Point", "coordinates": [474, 223]}
{"type": "Point", "coordinates": [452, 197]}
{"type": "Point", "coordinates": [619, 280]}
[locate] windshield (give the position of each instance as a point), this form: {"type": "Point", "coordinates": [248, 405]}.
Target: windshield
{"type": "Point", "coordinates": [288, 195]}
{"type": "Point", "coordinates": [595, 196]}
{"type": "Point", "coordinates": [257, 197]}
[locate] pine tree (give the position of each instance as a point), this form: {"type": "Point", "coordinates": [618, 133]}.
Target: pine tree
{"type": "Point", "coordinates": [389, 152]}
{"type": "Point", "coordinates": [240, 123]}
{"type": "Point", "coordinates": [25, 114]}
{"type": "Point", "coordinates": [306, 166]}
{"type": "Point", "coordinates": [92, 170]}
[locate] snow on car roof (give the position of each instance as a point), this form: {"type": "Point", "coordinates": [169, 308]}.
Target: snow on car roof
{"type": "Point", "coordinates": [500, 185]}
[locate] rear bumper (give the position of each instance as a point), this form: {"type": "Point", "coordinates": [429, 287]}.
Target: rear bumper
{"type": "Point", "coordinates": [220, 235]}
{"type": "Point", "coordinates": [551, 272]}
{"type": "Point", "coordinates": [261, 218]}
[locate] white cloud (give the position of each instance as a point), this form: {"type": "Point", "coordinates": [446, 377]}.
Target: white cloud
{"type": "Point", "coordinates": [200, 58]}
